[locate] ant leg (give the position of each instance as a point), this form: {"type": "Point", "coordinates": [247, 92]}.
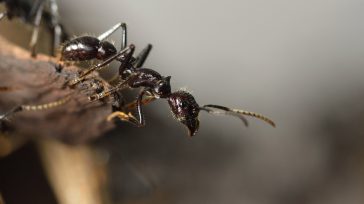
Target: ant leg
{"type": "Point", "coordinates": [124, 117]}
{"type": "Point", "coordinates": [2, 15]}
{"type": "Point", "coordinates": [109, 92]}
{"type": "Point", "coordinates": [142, 56]}
{"type": "Point", "coordinates": [145, 101]}
{"type": "Point", "coordinates": [57, 29]}
{"type": "Point", "coordinates": [129, 117]}
{"type": "Point", "coordinates": [35, 34]}
{"type": "Point", "coordinates": [112, 30]}
{"type": "Point", "coordinates": [117, 108]}
{"type": "Point", "coordinates": [139, 108]}
{"type": "Point", "coordinates": [97, 67]}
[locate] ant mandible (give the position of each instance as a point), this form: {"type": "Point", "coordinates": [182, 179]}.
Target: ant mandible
{"type": "Point", "coordinates": [31, 12]}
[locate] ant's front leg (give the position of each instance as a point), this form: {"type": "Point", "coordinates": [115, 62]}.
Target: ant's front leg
{"type": "Point", "coordinates": [118, 106]}
{"type": "Point", "coordinates": [140, 122]}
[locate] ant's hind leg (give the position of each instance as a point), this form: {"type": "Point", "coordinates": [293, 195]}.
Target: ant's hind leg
{"type": "Point", "coordinates": [112, 30]}
{"type": "Point", "coordinates": [34, 39]}
{"type": "Point", "coordinates": [142, 56]}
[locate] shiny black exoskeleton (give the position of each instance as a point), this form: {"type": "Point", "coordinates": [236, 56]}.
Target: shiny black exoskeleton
{"type": "Point", "coordinates": [32, 12]}
{"type": "Point", "coordinates": [186, 110]}
{"type": "Point", "coordinates": [87, 48]}
{"type": "Point", "coordinates": [151, 81]}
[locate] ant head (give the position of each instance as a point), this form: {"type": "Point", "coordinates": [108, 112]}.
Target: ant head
{"type": "Point", "coordinates": [105, 50]}
{"type": "Point", "coordinates": [163, 87]}
{"type": "Point", "coordinates": [185, 109]}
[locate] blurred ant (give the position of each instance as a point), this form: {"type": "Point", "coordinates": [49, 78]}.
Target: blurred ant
{"type": "Point", "coordinates": [86, 48]}
{"type": "Point", "coordinates": [31, 12]}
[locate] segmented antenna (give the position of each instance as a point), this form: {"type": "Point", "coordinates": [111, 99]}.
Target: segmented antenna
{"type": "Point", "coordinates": [46, 105]}
{"type": "Point", "coordinates": [35, 107]}
{"type": "Point", "coordinates": [256, 115]}
{"type": "Point", "coordinates": [238, 113]}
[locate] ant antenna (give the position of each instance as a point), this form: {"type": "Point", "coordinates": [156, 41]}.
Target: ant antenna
{"type": "Point", "coordinates": [35, 107]}
{"type": "Point", "coordinates": [235, 112]}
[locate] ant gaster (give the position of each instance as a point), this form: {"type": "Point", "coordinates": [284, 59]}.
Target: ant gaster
{"type": "Point", "coordinates": [88, 48]}
{"type": "Point", "coordinates": [32, 12]}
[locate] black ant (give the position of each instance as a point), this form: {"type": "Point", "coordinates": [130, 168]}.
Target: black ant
{"type": "Point", "coordinates": [31, 12]}
{"type": "Point", "coordinates": [153, 84]}
{"type": "Point", "coordinates": [183, 105]}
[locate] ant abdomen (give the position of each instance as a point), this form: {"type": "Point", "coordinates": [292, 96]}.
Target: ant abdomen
{"type": "Point", "coordinates": [87, 48]}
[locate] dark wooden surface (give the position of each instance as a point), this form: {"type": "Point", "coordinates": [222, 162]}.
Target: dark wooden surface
{"type": "Point", "coordinates": [35, 82]}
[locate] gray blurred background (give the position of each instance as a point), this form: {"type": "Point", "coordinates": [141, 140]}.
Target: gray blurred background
{"type": "Point", "coordinates": [298, 62]}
